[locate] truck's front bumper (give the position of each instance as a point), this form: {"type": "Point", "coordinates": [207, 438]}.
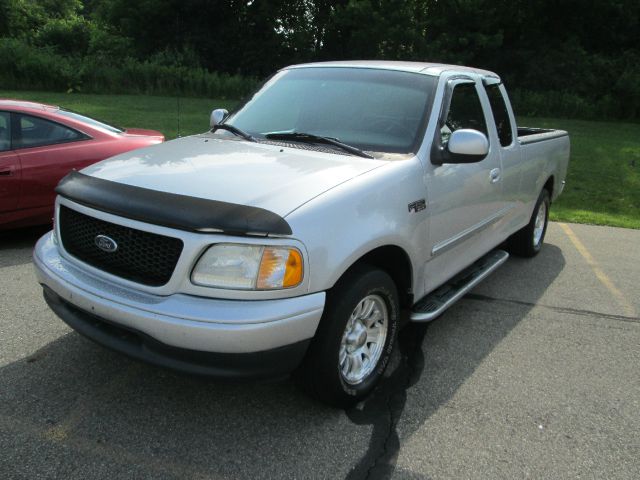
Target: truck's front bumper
{"type": "Point", "coordinates": [225, 338]}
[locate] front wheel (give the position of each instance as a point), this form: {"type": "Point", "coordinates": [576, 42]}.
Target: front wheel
{"type": "Point", "coordinates": [528, 241]}
{"type": "Point", "coordinates": [355, 338]}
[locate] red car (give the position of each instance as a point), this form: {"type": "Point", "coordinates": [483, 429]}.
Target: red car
{"type": "Point", "coordinates": [40, 144]}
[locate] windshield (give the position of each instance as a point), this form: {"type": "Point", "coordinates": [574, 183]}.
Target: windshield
{"type": "Point", "coordinates": [374, 110]}
{"type": "Point", "coordinates": [90, 121]}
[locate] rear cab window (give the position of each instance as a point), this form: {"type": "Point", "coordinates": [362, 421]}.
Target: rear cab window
{"type": "Point", "coordinates": [500, 114]}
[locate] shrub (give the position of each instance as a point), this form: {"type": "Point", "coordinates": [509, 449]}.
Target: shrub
{"type": "Point", "coordinates": [67, 36]}
{"type": "Point", "coordinates": [24, 66]}
{"type": "Point", "coordinates": [611, 105]}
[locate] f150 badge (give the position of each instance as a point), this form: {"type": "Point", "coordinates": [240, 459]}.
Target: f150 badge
{"type": "Point", "coordinates": [417, 206]}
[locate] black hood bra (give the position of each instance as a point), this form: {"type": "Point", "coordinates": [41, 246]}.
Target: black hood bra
{"type": "Point", "coordinates": [170, 209]}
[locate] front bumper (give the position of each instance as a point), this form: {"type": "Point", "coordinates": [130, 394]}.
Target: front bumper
{"type": "Point", "coordinates": [222, 335]}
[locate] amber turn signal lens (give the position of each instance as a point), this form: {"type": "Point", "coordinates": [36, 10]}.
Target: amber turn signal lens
{"type": "Point", "coordinates": [279, 268]}
{"type": "Point", "coordinates": [293, 270]}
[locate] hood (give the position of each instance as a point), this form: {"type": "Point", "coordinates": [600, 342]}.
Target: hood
{"type": "Point", "coordinates": [275, 178]}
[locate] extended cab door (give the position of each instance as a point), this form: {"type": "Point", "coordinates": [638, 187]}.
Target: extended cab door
{"type": "Point", "coordinates": [9, 167]}
{"type": "Point", "coordinates": [465, 199]}
{"type": "Point", "coordinates": [506, 140]}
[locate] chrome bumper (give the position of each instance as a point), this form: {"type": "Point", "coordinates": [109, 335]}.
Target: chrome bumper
{"type": "Point", "coordinates": [179, 320]}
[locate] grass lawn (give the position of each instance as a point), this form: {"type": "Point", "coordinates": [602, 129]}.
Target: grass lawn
{"type": "Point", "coordinates": [603, 184]}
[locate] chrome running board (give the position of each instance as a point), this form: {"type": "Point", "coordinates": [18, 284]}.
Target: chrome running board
{"type": "Point", "coordinates": [432, 305]}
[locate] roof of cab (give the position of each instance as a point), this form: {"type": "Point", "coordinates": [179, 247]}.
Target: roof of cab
{"type": "Point", "coordinates": [414, 67]}
{"type": "Point", "coordinates": [18, 104]}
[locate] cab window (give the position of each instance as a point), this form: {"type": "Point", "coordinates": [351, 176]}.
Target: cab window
{"type": "Point", "coordinates": [500, 114]}
{"type": "Point", "coordinates": [30, 131]}
{"type": "Point", "coordinates": [5, 132]}
{"type": "Point", "coordinates": [465, 111]}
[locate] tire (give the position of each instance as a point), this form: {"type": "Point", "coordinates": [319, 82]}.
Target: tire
{"type": "Point", "coordinates": [330, 370]}
{"type": "Point", "coordinates": [528, 241]}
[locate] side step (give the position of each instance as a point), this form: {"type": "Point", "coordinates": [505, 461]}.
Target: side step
{"type": "Point", "coordinates": [432, 305]}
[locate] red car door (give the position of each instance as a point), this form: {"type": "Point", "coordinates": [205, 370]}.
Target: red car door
{"type": "Point", "coordinates": [48, 151]}
{"type": "Point", "coordinates": [9, 167]}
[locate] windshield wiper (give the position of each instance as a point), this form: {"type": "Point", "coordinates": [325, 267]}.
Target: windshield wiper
{"type": "Point", "coordinates": [311, 138]}
{"type": "Point", "coordinates": [234, 130]}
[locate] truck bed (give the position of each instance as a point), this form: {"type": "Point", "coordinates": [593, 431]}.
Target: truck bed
{"type": "Point", "coordinates": [532, 135]}
{"type": "Point", "coordinates": [546, 152]}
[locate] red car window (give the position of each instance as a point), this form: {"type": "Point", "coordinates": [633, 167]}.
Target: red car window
{"type": "Point", "coordinates": [30, 131]}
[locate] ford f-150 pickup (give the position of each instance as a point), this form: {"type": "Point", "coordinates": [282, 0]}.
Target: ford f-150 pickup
{"type": "Point", "coordinates": [337, 202]}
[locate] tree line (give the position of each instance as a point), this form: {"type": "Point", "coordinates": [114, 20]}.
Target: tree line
{"type": "Point", "coordinates": [575, 58]}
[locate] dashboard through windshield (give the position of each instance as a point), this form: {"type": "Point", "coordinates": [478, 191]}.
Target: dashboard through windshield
{"type": "Point", "coordinates": [371, 109]}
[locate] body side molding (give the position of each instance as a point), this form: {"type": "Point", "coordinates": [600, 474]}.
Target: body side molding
{"type": "Point", "coordinates": [457, 239]}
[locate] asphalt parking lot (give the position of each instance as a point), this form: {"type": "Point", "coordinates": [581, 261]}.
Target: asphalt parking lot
{"type": "Point", "coordinates": [535, 374]}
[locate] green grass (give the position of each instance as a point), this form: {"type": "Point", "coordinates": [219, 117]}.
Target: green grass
{"type": "Point", "coordinates": [603, 184]}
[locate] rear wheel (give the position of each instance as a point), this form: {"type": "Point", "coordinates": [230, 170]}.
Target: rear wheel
{"type": "Point", "coordinates": [355, 338]}
{"type": "Point", "coordinates": [528, 241]}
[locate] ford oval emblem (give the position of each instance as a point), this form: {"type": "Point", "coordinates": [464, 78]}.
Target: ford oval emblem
{"type": "Point", "coordinates": [105, 243]}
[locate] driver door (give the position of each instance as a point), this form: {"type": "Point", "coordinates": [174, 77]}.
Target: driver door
{"type": "Point", "coordinates": [465, 199]}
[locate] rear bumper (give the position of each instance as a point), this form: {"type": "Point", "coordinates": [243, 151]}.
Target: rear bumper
{"type": "Point", "coordinates": [228, 338]}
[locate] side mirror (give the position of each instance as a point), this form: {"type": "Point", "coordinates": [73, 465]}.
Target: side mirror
{"type": "Point", "coordinates": [217, 116]}
{"type": "Point", "coordinates": [467, 146]}
{"type": "Point", "coordinates": [464, 146]}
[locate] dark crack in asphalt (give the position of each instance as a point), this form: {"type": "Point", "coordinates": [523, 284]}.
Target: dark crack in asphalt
{"type": "Point", "coordinates": [569, 310]}
{"type": "Point", "coordinates": [383, 409]}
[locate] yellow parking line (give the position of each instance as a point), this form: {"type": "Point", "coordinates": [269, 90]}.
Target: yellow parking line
{"type": "Point", "coordinates": [604, 279]}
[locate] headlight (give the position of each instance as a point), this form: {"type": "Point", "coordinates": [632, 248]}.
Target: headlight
{"type": "Point", "coordinates": [249, 267]}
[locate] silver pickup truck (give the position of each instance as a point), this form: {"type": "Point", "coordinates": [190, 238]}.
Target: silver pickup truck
{"type": "Point", "coordinates": [336, 203]}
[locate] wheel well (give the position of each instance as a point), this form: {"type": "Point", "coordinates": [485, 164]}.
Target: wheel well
{"type": "Point", "coordinates": [549, 187]}
{"type": "Point", "coordinates": [395, 261]}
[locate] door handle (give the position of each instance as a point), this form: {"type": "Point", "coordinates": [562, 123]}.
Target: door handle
{"type": "Point", "coordinates": [494, 175]}
{"type": "Point", "coordinates": [6, 173]}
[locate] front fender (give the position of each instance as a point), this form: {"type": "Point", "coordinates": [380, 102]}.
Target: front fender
{"type": "Point", "coordinates": [370, 211]}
